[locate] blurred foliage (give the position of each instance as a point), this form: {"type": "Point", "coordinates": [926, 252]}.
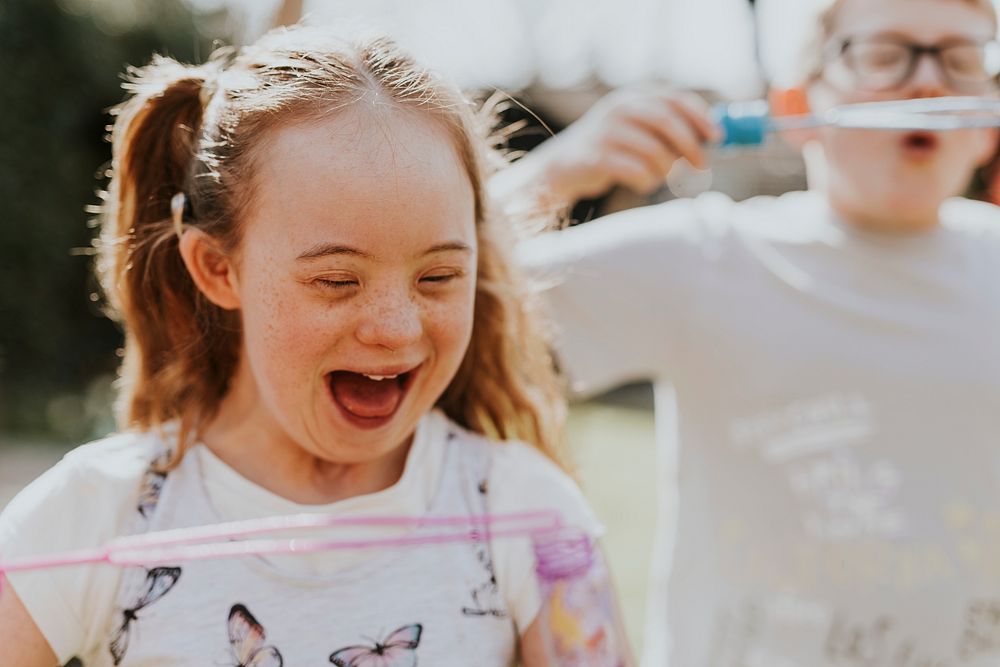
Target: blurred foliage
{"type": "Point", "coordinates": [61, 65]}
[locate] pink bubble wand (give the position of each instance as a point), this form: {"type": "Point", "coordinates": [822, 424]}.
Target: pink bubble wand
{"type": "Point", "coordinates": [249, 538]}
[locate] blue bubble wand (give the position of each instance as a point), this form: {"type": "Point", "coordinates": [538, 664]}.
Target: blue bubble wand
{"type": "Point", "coordinates": [750, 123]}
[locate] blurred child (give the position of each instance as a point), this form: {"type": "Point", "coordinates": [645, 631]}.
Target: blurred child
{"type": "Point", "coordinates": [319, 317]}
{"type": "Point", "coordinates": [827, 361]}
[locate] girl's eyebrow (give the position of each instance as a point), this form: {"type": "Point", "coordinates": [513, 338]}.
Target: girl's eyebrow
{"type": "Point", "coordinates": [328, 249]}
{"type": "Point", "coordinates": [448, 246]}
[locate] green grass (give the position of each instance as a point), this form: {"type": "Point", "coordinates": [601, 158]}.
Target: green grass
{"type": "Point", "coordinates": [613, 448]}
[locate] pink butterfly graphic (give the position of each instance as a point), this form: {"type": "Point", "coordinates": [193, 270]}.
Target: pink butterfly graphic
{"type": "Point", "coordinates": [398, 650]}
{"type": "Point", "coordinates": [246, 639]}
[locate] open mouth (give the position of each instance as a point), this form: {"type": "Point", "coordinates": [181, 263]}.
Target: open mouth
{"type": "Point", "coordinates": [920, 143]}
{"type": "Point", "coordinates": [370, 398]}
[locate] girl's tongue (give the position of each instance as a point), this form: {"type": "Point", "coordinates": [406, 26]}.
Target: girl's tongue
{"type": "Point", "coordinates": [364, 397]}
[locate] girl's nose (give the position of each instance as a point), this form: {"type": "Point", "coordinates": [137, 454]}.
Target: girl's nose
{"type": "Point", "coordinates": [928, 78]}
{"type": "Point", "coordinates": [392, 322]}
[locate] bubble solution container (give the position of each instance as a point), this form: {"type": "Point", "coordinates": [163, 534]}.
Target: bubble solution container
{"type": "Point", "coordinates": [578, 615]}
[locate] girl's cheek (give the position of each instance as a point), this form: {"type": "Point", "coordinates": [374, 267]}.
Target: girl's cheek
{"type": "Point", "coordinates": [292, 323]}
{"type": "Point", "coordinates": [458, 322]}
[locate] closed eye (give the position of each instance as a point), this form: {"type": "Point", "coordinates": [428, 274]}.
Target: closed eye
{"type": "Point", "coordinates": [442, 274]}
{"type": "Point", "coordinates": [441, 278]}
{"type": "Point", "coordinates": [337, 283]}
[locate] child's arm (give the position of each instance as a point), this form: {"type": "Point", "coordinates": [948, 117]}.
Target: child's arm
{"type": "Point", "coordinates": [624, 290]}
{"type": "Point", "coordinates": [48, 616]}
{"type": "Point", "coordinates": [631, 137]}
{"type": "Point", "coordinates": [522, 479]}
{"type": "Point", "coordinates": [533, 647]}
{"type": "Point", "coordinates": [22, 641]}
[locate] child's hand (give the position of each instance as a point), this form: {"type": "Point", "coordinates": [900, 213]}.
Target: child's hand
{"type": "Point", "coordinates": [631, 137]}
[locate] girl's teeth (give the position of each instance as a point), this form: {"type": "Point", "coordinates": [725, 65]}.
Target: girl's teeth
{"type": "Point", "coordinates": [379, 378]}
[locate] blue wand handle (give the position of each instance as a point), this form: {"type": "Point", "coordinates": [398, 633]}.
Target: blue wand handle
{"type": "Point", "coordinates": [743, 123]}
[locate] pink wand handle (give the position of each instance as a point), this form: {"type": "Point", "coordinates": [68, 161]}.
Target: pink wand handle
{"type": "Point", "coordinates": [227, 540]}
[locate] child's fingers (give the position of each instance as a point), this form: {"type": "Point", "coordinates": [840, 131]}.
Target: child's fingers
{"type": "Point", "coordinates": [653, 149]}
{"type": "Point", "coordinates": [698, 113]}
{"type": "Point", "coordinates": [674, 121]}
{"type": "Point", "coordinates": [691, 107]}
{"type": "Point", "coordinates": [631, 137]}
{"type": "Point", "coordinates": [681, 138]}
{"type": "Point", "coordinates": [633, 172]}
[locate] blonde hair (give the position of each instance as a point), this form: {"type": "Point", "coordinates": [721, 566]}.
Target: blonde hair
{"type": "Point", "coordinates": [813, 60]}
{"type": "Point", "coordinates": [196, 130]}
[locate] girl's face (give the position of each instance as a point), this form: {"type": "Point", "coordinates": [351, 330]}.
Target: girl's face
{"type": "Point", "coordinates": [900, 178]}
{"type": "Point", "coordinates": [356, 280]}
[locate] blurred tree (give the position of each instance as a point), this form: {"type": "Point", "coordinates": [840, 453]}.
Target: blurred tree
{"type": "Point", "coordinates": [61, 64]}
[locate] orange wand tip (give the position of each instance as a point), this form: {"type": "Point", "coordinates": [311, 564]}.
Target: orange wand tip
{"type": "Point", "coordinates": [788, 101]}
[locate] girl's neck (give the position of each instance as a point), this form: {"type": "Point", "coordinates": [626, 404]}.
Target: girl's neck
{"type": "Point", "coordinates": [853, 215]}
{"type": "Point", "coordinates": [888, 226]}
{"type": "Point", "coordinates": [259, 450]}
{"type": "Point", "coordinates": [879, 218]}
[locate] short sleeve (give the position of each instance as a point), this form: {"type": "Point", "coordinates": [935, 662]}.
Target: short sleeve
{"type": "Point", "coordinates": [621, 288]}
{"type": "Point", "coordinates": [522, 479]}
{"type": "Point", "coordinates": [79, 503]}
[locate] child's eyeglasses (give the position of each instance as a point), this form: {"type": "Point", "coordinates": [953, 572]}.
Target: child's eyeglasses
{"type": "Point", "coordinates": [881, 64]}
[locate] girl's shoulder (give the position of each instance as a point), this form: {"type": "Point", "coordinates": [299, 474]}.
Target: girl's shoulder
{"type": "Point", "coordinates": [508, 459]}
{"type": "Point", "coordinates": [118, 457]}
{"type": "Point", "coordinates": [92, 487]}
{"type": "Point", "coordinates": [972, 218]}
{"type": "Point", "coordinates": [521, 478]}
{"type": "Point", "coordinates": [519, 465]}
{"type": "Point", "coordinates": [82, 502]}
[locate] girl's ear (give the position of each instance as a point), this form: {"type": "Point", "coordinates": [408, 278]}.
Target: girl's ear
{"type": "Point", "coordinates": [212, 270]}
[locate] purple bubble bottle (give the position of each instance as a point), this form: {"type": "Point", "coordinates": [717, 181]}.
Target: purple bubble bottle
{"type": "Point", "coordinates": [578, 614]}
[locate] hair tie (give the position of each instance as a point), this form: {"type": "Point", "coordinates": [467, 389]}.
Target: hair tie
{"type": "Point", "coordinates": [177, 205]}
{"type": "Point", "coordinates": [209, 85]}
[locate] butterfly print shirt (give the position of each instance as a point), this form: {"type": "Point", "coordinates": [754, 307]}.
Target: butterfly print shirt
{"type": "Point", "coordinates": [469, 599]}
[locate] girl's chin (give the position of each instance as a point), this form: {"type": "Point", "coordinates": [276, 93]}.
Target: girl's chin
{"type": "Point", "coordinates": [346, 444]}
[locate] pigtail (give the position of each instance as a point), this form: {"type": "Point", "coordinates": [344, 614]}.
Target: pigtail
{"type": "Point", "coordinates": [173, 333]}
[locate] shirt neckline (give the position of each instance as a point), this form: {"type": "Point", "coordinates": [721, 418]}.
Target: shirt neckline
{"type": "Point", "coordinates": [414, 494]}
{"type": "Point", "coordinates": [418, 481]}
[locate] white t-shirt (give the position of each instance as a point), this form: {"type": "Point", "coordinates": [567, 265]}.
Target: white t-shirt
{"type": "Point", "coordinates": [828, 415]}
{"type": "Point", "coordinates": [107, 489]}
